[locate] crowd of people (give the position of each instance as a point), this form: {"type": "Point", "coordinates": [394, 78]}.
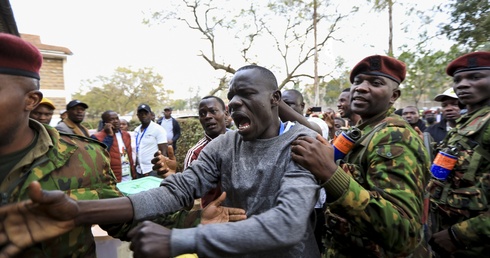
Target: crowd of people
{"type": "Point", "coordinates": [366, 181]}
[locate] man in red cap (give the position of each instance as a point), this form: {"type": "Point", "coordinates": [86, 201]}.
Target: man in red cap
{"type": "Point", "coordinates": [460, 203]}
{"type": "Point", "coordinates": [64, 163]}
{"type": "Point", "coordinates": [375, 193]}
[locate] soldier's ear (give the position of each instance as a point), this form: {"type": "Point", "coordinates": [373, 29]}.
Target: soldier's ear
{"type": "Point", "coordinates": [395, 95]}
{"type": "Point", "coordinates": [32, 99]}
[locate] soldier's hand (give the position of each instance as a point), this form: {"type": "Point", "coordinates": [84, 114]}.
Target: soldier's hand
{"type": "Point", "coordinates": [48, 214]}
{"type": "Point", "coordinates": [215, 213]}
{"type": "Point", "coordinates": [442, 243]}
{"type": "Point", "coordinates": [150, 240]}
{"type": "Point", "coordinates": [316, 155]}
{"type": "Point", "coordinates": [165, 166]}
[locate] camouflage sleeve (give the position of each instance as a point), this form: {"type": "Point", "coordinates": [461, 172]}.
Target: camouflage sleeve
{"type": "Point", "coordinates": [389, 209]}
{"type": "Point", "coordinates": [476, 231]}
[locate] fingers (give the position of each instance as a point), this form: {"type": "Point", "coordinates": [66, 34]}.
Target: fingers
{"type": "Point", "coordinates": [237, 217]}
{"type": "Point", "coordinates": [219, 200]}
{"type": "Point", "coordinates": [158, 153]}
{"type": "Point", "coordinates": [135, 230]}
{"type": "Point", "coordinates": [322, 140]}
{"type": "Point", "coordinates": [170, 152]}
{"type": "Point", "coordinates": [35, 191]}
{"type": "Point", "coordinates": [303, 140]}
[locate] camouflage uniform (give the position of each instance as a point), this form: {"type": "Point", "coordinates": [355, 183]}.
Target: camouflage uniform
{"type": "Point", "coordinates": [76, 165]}
{"type": "Point", "coordinates": [461, 201]}
{"type": "Point", "coordinates": [380, 213]}
{"type": "Point", "coordinates": [80, 167]}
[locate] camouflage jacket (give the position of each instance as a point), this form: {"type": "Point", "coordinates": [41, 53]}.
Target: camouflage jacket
{"type": "Point", "coordinates": [461, 201]}
{"type": "Point", "coordinates": [76, 165]}
{"type": "Point", "coordinates": [375, 198]}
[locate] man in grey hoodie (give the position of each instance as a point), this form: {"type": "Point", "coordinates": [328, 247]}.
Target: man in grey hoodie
{"type": "Point", "coordinates": [254, 167]}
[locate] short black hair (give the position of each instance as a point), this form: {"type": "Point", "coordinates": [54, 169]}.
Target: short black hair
{"type": "Point", "coordinates": [106, 114]}
{"type": "Point", "coordinates": [218, 99]}
{"type": "Point", "coordinates": [263, 71]}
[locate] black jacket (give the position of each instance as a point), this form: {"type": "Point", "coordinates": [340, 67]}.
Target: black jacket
{"type": "Point", "coordinates": [438, 131]}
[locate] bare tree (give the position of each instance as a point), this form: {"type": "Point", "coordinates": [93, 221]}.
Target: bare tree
{"type": "Point", "coordinates": [381, 5]}
{"type": "Point", "coordinates": [283, 31]}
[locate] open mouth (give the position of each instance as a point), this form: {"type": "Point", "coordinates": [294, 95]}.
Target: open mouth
{"type": "Point", "coordinates": [241, 121]}
{"type": "Point", "coordinates": [210, 125]}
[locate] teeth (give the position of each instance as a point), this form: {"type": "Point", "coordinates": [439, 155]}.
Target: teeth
{"type": "Point", "coordinates": [243, 127]}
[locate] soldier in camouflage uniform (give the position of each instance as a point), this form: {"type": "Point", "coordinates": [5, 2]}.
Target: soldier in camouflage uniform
{"type": "Point", "coordinates": [30, 151]}
{"type": "Point", "coordinates": [375, 193]}
{"type": "Point", "coordinates": [459, 214]}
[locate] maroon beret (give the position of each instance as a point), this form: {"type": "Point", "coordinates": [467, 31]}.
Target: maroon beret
{"type": "Point", "coordinates": [19, 57]}
{"type": "Point", "coordinates": [380, 66]}
{"type": "Point", "coordinates": [469, 62]}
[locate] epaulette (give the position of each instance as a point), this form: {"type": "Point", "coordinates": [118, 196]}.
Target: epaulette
{"type": "Point", "coordinates": [75, 137]}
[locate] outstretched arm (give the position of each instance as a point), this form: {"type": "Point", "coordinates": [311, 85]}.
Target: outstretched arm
{"type": "Point", "coordinates": [52, 213]}
{"type": "Point", "coordinates": [286, 113]}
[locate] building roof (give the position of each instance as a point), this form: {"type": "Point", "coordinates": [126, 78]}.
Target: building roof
{"type": "Point", "coordinates": [8, 25]}
{"type": "Point", "coordinates": [36, 41]}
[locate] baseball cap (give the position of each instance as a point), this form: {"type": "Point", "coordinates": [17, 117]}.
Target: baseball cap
{"type": "Point", "coordinates": [447, 93]}
{"type": "Point", "coordinates": [47, 102]}
{"type": "Point", "coordinates": [74, 103]}
{"type": "Point", "coordinates": [144, 107]}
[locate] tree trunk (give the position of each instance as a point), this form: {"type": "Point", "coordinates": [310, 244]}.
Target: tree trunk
{"type": "Point", "coordinates": [315, 60]}
{"type": "Point", "coordinates": [390, 38]}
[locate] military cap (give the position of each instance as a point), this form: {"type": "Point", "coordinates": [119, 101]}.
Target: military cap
{"type": "Point", "coordinates": [380, 66]}
{"type": "Point", "coordinates": [74, 103]}
{"type": "Point", "coordinates": [469, 62]}
{"type": "Point", "coordinates": [19, 57]}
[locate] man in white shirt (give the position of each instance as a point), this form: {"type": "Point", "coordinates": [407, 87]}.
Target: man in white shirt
{"type": "Point", "coordinates": [171, 126]}
{"type": "Point", "coordinates": [150, 138]}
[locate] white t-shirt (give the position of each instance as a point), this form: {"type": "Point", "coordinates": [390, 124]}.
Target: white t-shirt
{"type": "Point", "coordinates": [168, 126]}
{"type": "Point", "coordinates": [323, 125]}
{"type": "Point", "coordinates": [147, 144]}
